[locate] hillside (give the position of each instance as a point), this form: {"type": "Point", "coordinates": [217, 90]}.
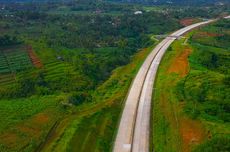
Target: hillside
{"type": "Point", "coordinates": [66, 68]}
{"type": "Point", "coordinates": [191, 101]}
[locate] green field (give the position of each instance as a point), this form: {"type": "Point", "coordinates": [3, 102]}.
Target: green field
{"type": "Point", "coordinates": [14, 59]}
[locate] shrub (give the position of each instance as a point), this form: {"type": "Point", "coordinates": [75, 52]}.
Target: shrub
{"type": "Point", "coordinates": [78, 98]}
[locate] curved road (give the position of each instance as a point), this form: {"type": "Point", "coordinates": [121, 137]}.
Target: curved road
{"type": "Point", "coordinates": [133, 132]}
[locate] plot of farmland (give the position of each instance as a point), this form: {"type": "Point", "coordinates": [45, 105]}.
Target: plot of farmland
{"type": "Point", "coordinates": [12, 60]}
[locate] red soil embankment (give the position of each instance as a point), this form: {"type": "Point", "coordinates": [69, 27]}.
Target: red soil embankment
{"type": "Point", "coordinates": [34, 59]}
{"type": "Point", "coordinates": [180, 64]}
{"type": "Point", "coordinates": [192, 132]}
{"type": "Point", "coordinates": [187, 21]}
{"type": "Point", "coordinates": [206, 34]}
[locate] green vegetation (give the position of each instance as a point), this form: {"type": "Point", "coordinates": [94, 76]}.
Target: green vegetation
{"type": "Point", "coordinates": [191, 101]}
{"type": "Point", "coordinates": [65, 69]}
{"type": "Point", "coordinates": [215, 144]}
{"type": "Point", "coordinates": [6, 40]}
{"type": "Point", "coordinates": [14, 59]}
{"type": "Point", "coordinates": [24, 126]}
{"type": "Point", "coordinates": [95, 123]}
{"type": "Point", "coordinates": [207, 85]}
{"type": "Point", "coordinates": [59, 63]}
{"type": "Point", "coordinates": [81, 50]}
{"type": "Point", "coordinates": [75, 83]}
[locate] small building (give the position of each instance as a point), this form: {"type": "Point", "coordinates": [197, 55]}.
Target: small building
{"type": "Point", "coordinates": [138, 12]}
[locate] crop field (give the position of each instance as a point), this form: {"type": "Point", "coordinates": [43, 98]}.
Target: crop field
{"type": "Point", "coordinates": [57, 70]}
{"type": "Point", "coordinates": [191, 100]}
{"type": "Point", "coordinates": [6, 79]}
{"type": "Point", "coordinates": [12, 61]}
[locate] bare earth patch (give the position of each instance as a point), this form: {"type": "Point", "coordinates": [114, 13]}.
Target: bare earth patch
{"type": "Point", "coordinates": [30, 129]}
{"type": "Point", "coordinates": [10, 139]}
{"type": "Point", "coordinates": [206, 34]}
{"type": "Point", "coordinates": [188, 21]}
{"type": "Point", "coordinates": [41, 118]}
{"type": "Point", "coordinates": [34, 125]}
{"type": "Point", "coordinates": [192, 132]}
{"type": "Point", "coordinates": [34, 58]}
{"type": "Point", "coordinates": [180, 64]}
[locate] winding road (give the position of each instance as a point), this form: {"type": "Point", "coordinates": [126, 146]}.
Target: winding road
{"type": "Point", "coordinates": [134, 128]}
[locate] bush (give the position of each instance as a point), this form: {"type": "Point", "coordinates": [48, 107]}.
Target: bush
{"type": "Point", "coordinates": [26, 87]}
{"type": "Point", "coordinates": [78, 98]}
{"type": "Point", "coordinates": [40, 90]}
{"type": "Point", "coordinates": [7, 40]}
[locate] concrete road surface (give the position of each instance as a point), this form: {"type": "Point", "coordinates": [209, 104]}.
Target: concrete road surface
{"type": "Point", "coordinates": [133, 132]}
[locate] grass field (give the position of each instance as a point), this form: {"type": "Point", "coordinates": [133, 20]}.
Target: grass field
{"type": "Point", "coordinates": [190, 96]}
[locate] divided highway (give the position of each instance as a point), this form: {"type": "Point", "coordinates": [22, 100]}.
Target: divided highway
{"type": "Point", "coordinates": [134, 128]}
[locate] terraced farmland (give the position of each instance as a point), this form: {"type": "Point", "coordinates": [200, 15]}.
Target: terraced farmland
{"type": "Point", "coordinates": [13, 60]}
{"type": "Point", "coordinates": [56, 69]}
{"type": "Point", "coordinates": [6, 79]}
{"type": "Point", "coordinates": [17, 62]}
